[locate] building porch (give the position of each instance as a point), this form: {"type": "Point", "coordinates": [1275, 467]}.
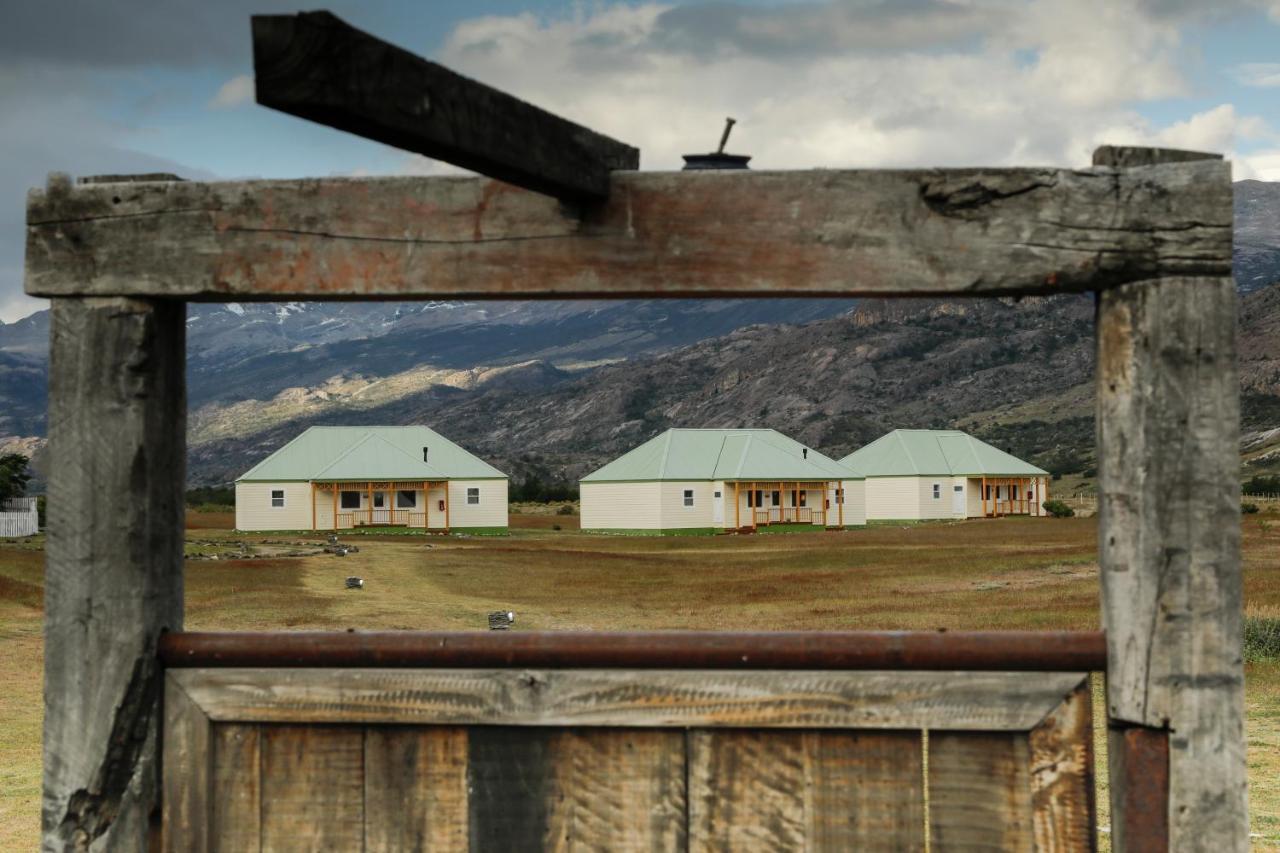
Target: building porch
{"type": "Point", "coordinates": [777, 502]}
{"type": "Point", "coordinates": [1003, 496]}
{"type": "Point", "coordinates": [421, 504]}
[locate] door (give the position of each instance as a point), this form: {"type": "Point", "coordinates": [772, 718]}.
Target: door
{"type": "Point", "coordinates": [717, 507]}
{"type": "Point", "coordinates": [957, 501]}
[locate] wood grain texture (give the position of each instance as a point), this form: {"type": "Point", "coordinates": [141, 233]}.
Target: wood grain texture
{"type": "Point", "coordinates": [616, 790]}
{"type": "Point", "coordinates": [1062, 789]}
{"type": "Point", "coordinates": [810, 790]}
{"type": "Point", "coordinates": [415, 788]}
{"type": "Point", "coordinates": [961, 231]}
{"type": "Point", "coordinates": [1139, 760]}
{"type": "Point", "coordinates": [316, 66]}
{"type": "Point", "coordinates": [312, 788]}
{"type": "Point", "coordinates": [980, 791]}
{"type": "Point", "coordinates": [186, 778]}
{"type": "Point", "coordinates": [1169, 540]}
{"type": "Point", "coordinates": [236, 788]}
{"type": "Point", "coordinates": [508, 778]}
{"type": "Point", "coordinates": [113, 562]}
{"type": "Point", "coordinates": [645, 699]}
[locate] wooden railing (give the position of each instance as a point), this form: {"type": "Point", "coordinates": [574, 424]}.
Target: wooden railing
{"type": "Point", "coordinates": [784, 515]}
{"type": "Point", "coordinates": [381, 518]}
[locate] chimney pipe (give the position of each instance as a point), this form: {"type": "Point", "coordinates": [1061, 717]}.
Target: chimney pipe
{"type": "Point", "coordinates": [424, 454]}
{"type": "Point", "coordinates": [805, 453]}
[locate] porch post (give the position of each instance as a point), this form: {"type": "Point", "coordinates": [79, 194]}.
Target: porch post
{"type": "Point", "coordinates": [335, 507]}
{"type": "Point", "coordinates": [113, 567]}
{"type": "Point", "coordinates": [446, 506]}
{"type": "Point", "coordinates": [1169, 543]}
{"type": "Point", "coordinates": [737, 515]}
{"type": "Point", "coordinates": [368, 487]}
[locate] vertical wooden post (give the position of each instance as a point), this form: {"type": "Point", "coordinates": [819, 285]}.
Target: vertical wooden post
{"type": "Point", "coordinates": [1169, 540]}
{"type": "Point", "coordinates": [737, 513]}
{"type": "Point", "coordinates": [335, 507]}
{"type": "Point", "coordinates": [446, 506]}
{"type": "Point", "coordinates": [313, 505]}
{"type": "Point", "coordinates": [113, 566]}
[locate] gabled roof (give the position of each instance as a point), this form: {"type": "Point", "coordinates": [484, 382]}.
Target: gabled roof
{"type": "Point", "coordinates": [323, 453]}
{"type": "Point", "coordinates": [936, 453]}
{"type": "Point", "coordinates": [721, 454]}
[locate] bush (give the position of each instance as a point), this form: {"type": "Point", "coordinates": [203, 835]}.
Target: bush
{"type": "Point", "coordinates": [1058, 509]}
{"type": "Point", "coordinates": [1248, 508]}
{"type": "Point", "coordinates": [1261, 638]}
{"type": "Point", "coordinates": [567, 509]}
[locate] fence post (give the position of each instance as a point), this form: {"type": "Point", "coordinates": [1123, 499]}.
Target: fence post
{"type": "Point", "coordinates": [117, 413]}
{"type": "Point", "coordinates": [1169, 545]}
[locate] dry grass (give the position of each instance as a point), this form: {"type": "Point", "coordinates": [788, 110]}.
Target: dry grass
{"type": "Point", "coordinates": [1012, 573]}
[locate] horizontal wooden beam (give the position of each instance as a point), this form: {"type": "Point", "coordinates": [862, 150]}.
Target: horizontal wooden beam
{"type": "Point", "coordinates": [316, 66]}
{"type": "Point", "coordinates": [1045, 651]}
{"type": "Point", "coordinates": [837, 233]}
{"type": "Point", "coordinates": [987, 701]}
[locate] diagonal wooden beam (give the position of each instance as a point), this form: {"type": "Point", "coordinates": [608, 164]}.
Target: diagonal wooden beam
{"type": "Point", "coordinates": [316, 66]}
{"type": "Point", "coordinates": [838, 233]}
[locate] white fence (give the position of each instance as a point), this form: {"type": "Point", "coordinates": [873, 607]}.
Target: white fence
{"type": "Point", "coordinates": [18, 517]}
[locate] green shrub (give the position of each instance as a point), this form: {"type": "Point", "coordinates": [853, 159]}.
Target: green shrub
{"type": "Point", "coordinates": [1248, 508]}
{"type": "Point", "coordinates": [1261, 638]}
{"type": "Point", "coordinates": [1058, 509]}
{"type": "Point", "coordinates": [567, 509]}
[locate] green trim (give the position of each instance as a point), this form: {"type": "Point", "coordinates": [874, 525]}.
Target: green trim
{"type": "Point", "coordinates": [639, 531]}
{"type": "Point", "coordinates": [718, 480]}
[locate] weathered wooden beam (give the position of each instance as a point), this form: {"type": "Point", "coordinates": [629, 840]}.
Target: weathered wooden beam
{"type": "Point", "coordinates": [943, 232]}
{"type": "Point", "coordinates": [316, 66]}
{"type": "Point", "coordinates": [1169, 543]}
{"type": "Point", "coordinates": [113, 582]}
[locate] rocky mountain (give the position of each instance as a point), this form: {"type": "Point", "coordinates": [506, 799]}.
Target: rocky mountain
{"type": "Point", "coordinates": [1256, 253]}
{"type": "Point", "coordinates": [556, 387]}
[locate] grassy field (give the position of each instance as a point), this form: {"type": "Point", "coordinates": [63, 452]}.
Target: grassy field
{"type": "Point", "coordinates": [1010, 573]}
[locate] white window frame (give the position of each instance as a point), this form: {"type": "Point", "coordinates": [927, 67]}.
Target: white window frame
{"type": "Point", "coordinates": [342, 493]}
{"type": "Point", "coordinates": [937, 491]}
{"type": "Point", "coordinates": [412, 493]}
{"type": "Point", "coordinates": [279, 492]}
{"type": "Point", "coordinates": [473, 496]}
{"type": "Point", "coordinates": [688, 497]}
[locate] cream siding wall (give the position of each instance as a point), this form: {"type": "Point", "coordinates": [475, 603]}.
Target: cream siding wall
{"type": "Point", "coordinates": [620, 506]}
{"type": "Point", "coordinates": [255, 512]}
{"type": "Point", "coordinates": [973, 497]}
{"type": "Point", "coordinates": [490, 512]}
{"type": "Point", "coordinates": [855, 504]}
{"type": "Point", "coordinates": [675, 515]}
{"type": "Point", "coordinates": [892, 498]}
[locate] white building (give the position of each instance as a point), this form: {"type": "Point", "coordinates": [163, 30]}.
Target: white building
{"type": "Point", "coordinates": [916, 474]}
{"type": "Point", "coordinates": [384, 476]}
{"type": "Point", "coordinates": [710, 480]}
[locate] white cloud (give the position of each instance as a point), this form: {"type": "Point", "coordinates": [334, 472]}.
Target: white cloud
{"type": "Point", "coordinates": [236, 91]}
{"type": "Point", "coordinates": [1260, 165]}
{"type": "Point", "coordinates": [1263, 75]}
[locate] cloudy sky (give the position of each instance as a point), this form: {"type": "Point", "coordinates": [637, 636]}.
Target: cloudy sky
{"type": "Point", "coordinates": [89, 86]}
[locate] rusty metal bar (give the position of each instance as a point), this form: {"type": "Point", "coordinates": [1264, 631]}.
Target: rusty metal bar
{"type": "Point", "coordinates": [1140, 787]}
{"type": "Point", "coordinates": [1037, 651]}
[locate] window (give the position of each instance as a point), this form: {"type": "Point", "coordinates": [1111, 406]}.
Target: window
{"type": "Point", "coordinates": [379, 500]}
{"type": "Point", "coordinates": [688, 497]}
{"type": "Point", "coordinates": [776, 498]}
{"type": "Point", "coordinates": [717, 496]}
{"type": "Point", "coordinates": [406, 499]}
{"type": "Point", "coordinates": [804, 497]}
{"type": "Point", "coordinates": [959, 488]}
{"type": "Point", "coordinates": [840, 495]}
{"type": "Point", "coordinates": [759, 497]}
{"type": "Point", "coordinates": [937, 491]}
{"type": "Point", "coordinates": [350, 500]}
{"type": "Point", "coordinates": [277, 497]}
{"type": "Point", "coordinates": [473, 495]}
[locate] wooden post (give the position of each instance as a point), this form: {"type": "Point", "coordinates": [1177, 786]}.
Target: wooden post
{"type": "Point", "coordinates": [1169, 538]}
{"type": "Point", "coordinates": [737, 513]}
{"type": "Point", "coordinates": [335, 507]}
{"type": "Point", "coordinates": [368, 487]}
{"type": "Point", "coordinates": [313, 505]}
{"type": "Point", "coordinates": [113, 582]}
{"type": "Point", "coordinates": [841, 504]}
{"type": "Point", "coordinates": [446, 506]}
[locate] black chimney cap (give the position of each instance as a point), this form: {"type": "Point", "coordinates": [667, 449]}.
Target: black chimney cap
{"type": "Point", "coordinates": [717, 159]}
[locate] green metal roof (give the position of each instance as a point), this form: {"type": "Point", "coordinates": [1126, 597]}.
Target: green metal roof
{"type": "Point", "coordinates": [936, 453]}
{"type": "Point", "coordinates": [325, 453]}
{"type": "Point", "coordinates": [721, 454]}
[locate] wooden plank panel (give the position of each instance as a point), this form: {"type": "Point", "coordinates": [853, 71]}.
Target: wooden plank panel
{"type": "Point", "coordinates": [312, 788]}
{"type": "Point", "coordinates": [616, 789]}
{"type": "Point", "coordinates": [113, 563]}
{"type": "Point", "coordinates": [866, 791]}
{"type": "Point", "coordinates": [1062, 793]}
{"type": "Point", "coordinates": [316, 66]}
{"type": "Point", "coordinates": [927, 231]}
{"type": "Point", "coordinates": [508, 779]}
{"type": "Point", "coordinates": [979, 792]}
{"type": "Point", "coordinates": [812, 790]}
{"type": "Point", "coordinates": [746, 790]}
{"type": "Point", "coordinates": [647, 699]}
{"type": "Point", "coordinates": [415, 788]}
{"type": "Point", "coordinates": [185, 803]}
{"type": "Point", "coordinates": [1139, 760]}
{"type": "Point", "coordinates": [236, 801]}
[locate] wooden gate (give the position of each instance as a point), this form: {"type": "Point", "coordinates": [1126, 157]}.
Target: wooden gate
{"type": "Point", "coordinates": [324, 757]}
{"type": "Point", "coordinates": [564, 213]}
